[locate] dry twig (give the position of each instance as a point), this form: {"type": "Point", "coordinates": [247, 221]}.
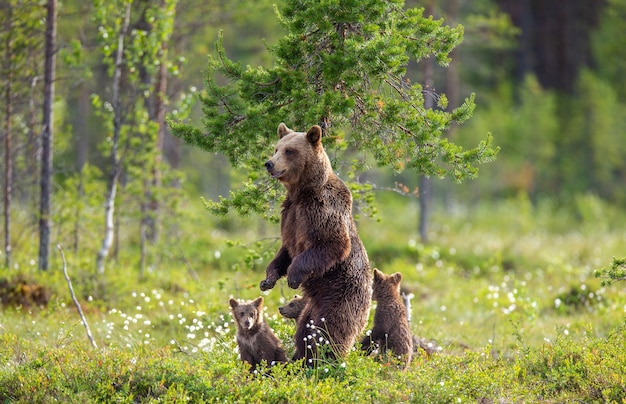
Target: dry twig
{"type": "Point", "coordinates": [80, 311]}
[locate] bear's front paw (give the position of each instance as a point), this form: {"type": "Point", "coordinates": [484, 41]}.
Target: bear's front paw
{"type": "Point", "coordinates": [267, 284]}
{"type": "Point", "coordinates": [294, 280]}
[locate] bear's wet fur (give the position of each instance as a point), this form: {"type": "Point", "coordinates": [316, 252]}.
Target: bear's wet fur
{"type": "Point", "coordinates": [321, 251]}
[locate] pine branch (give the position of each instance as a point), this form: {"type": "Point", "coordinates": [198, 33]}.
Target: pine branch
{"type": "Point", "coordinates": [615, 273]}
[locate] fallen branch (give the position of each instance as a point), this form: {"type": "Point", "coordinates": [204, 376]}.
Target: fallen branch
{"type": "Point", "coordinates": [80, 311]}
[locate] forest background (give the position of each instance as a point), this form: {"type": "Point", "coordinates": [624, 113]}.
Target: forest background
{"type": "Point", "coordinates": [547, 80]}
{"type": "Point", "coordinates": [548, 83]}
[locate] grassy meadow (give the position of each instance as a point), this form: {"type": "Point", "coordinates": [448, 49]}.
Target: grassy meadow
{"type": "Point", "coordinates": [506, 291]}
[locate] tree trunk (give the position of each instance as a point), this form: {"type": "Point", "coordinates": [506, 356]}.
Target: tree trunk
{"type": "Point", "coordinates": [159, 112]}
{"type": "Point", "coordinates": [80, 192]}
{"type": "Point", "coordinates": [109, 206]}
{"type": "Point", "coordinates": [81, 156]}
{"type": "Point", "coordinates": [555, 38]}
{"type": "Point", "coordinates": [142, 240]}
{"type": "Point", "coordinates": [453, 87]}
{"type": "Point", "coordinates": [150, 206]}
{"type": "Point", "coordinates": [425, 183]}
{"type": "Point", "coordinates": [32, 152]}
{"type": "Point", "coordinates": [8, 161]}
{"type": "Point", "coordinates": [47, 136]}
{"type": "Point", "coordinates": [81, 126]}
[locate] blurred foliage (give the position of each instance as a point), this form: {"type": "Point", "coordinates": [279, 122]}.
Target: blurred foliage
{"type": "Point", "coordinates": [610, 54]}
{"type": "Point", "coordinates": [561, 145]}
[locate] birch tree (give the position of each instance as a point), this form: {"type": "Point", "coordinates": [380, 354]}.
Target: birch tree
{"type": "Point", "coordinates": [139, 66]}
{"type": "Point", "coordinates": [115, 108]}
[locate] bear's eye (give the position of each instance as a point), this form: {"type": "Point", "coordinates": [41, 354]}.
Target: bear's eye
{"type": "Point", "coordinates": [288, 152]}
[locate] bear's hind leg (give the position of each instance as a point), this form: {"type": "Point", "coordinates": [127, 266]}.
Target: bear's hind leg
{"type": "Point", "coordinates": [301, 338]}
{"type": "Point", "coordinates": [318, 336]}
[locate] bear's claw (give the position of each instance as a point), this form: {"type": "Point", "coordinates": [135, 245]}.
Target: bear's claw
{"type": "Point", "coordinates": [294, 281]}
{"type": "Point", "coordinates": [267, 284]}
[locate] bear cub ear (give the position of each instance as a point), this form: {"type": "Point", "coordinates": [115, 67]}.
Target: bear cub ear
{"type": "Point", "coordinates": [378, 274]}
{"type": "Point", "coordinates": [283, 130]}
{"type": "Point", "coordinates": [396, 278]}
{"type": "Point", "coordinates": [314, 135]}
{"type": "Point", "coordinates": [258, 302]}
{"type": "Point", "coordinates": [233, 303]}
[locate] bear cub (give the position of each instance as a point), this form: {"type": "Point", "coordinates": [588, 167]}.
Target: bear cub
{"type": "Point", "coordinates": [256, 340]}
{"type": "Point", "coordinates": [391, 328]}
{"type": "Point", "coordinates": [294, 307]}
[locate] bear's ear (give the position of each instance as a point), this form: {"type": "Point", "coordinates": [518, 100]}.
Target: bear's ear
{"type": "Point", "coordinates": [378, 274]}
{"type": "Point", "coordinates": [233, 303]}
{"type": "Point", "coordinates": [258, 302]}
{"type": "Point", "coordinates": [314, 135]}
{"type": "Point", "coordinates": [396, 278]}
{"type": "Point", "coordinates": [283, 130]}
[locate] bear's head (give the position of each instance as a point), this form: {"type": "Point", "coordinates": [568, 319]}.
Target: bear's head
{"type": "Point", "coordinates": [247, 314]}
{"type": "Point", "coordinates": [299, 158]}
{"type": "Point", "coordinates": [294, 307]}
{"type": "Point", "coordinates": [386, 287]}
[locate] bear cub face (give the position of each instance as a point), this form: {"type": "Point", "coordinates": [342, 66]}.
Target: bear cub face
{"type": "Point", "coordinates": [294, 307]}
{"type": "Point", "coordinates": [247, 315]}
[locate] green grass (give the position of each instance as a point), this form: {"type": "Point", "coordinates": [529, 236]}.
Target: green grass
{"type": "Point", "coordinates": [506, 290]}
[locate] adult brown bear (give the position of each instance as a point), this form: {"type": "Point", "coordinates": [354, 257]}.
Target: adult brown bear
{"type": "Point", "coordinates": [321, 250]}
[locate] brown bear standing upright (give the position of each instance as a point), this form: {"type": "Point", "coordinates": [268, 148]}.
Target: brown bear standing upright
{"type": "Point", "coordinates": [321, 250]}
{"type": "Point", "coordinates": [391, 328]}
{"type": "Point", "coordinates": [256, 340]}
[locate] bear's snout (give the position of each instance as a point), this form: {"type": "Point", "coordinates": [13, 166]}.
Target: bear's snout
{"type": "Point", "coordinates": [273, 170]}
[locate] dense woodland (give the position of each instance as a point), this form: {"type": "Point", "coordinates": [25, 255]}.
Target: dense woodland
{"type": "Point", "coordinates": [547, 78]}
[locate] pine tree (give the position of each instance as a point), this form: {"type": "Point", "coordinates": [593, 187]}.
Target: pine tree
{"type": "Point", "coordinates": [47, 135]}
{"type": "Point", "coordinates": [22, 35]}
{"type": "Point", "coordinates": [342, 65]}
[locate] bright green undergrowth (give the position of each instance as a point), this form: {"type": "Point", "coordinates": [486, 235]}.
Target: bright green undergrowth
{"type": "Point", "coordinates": [506, 290]}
